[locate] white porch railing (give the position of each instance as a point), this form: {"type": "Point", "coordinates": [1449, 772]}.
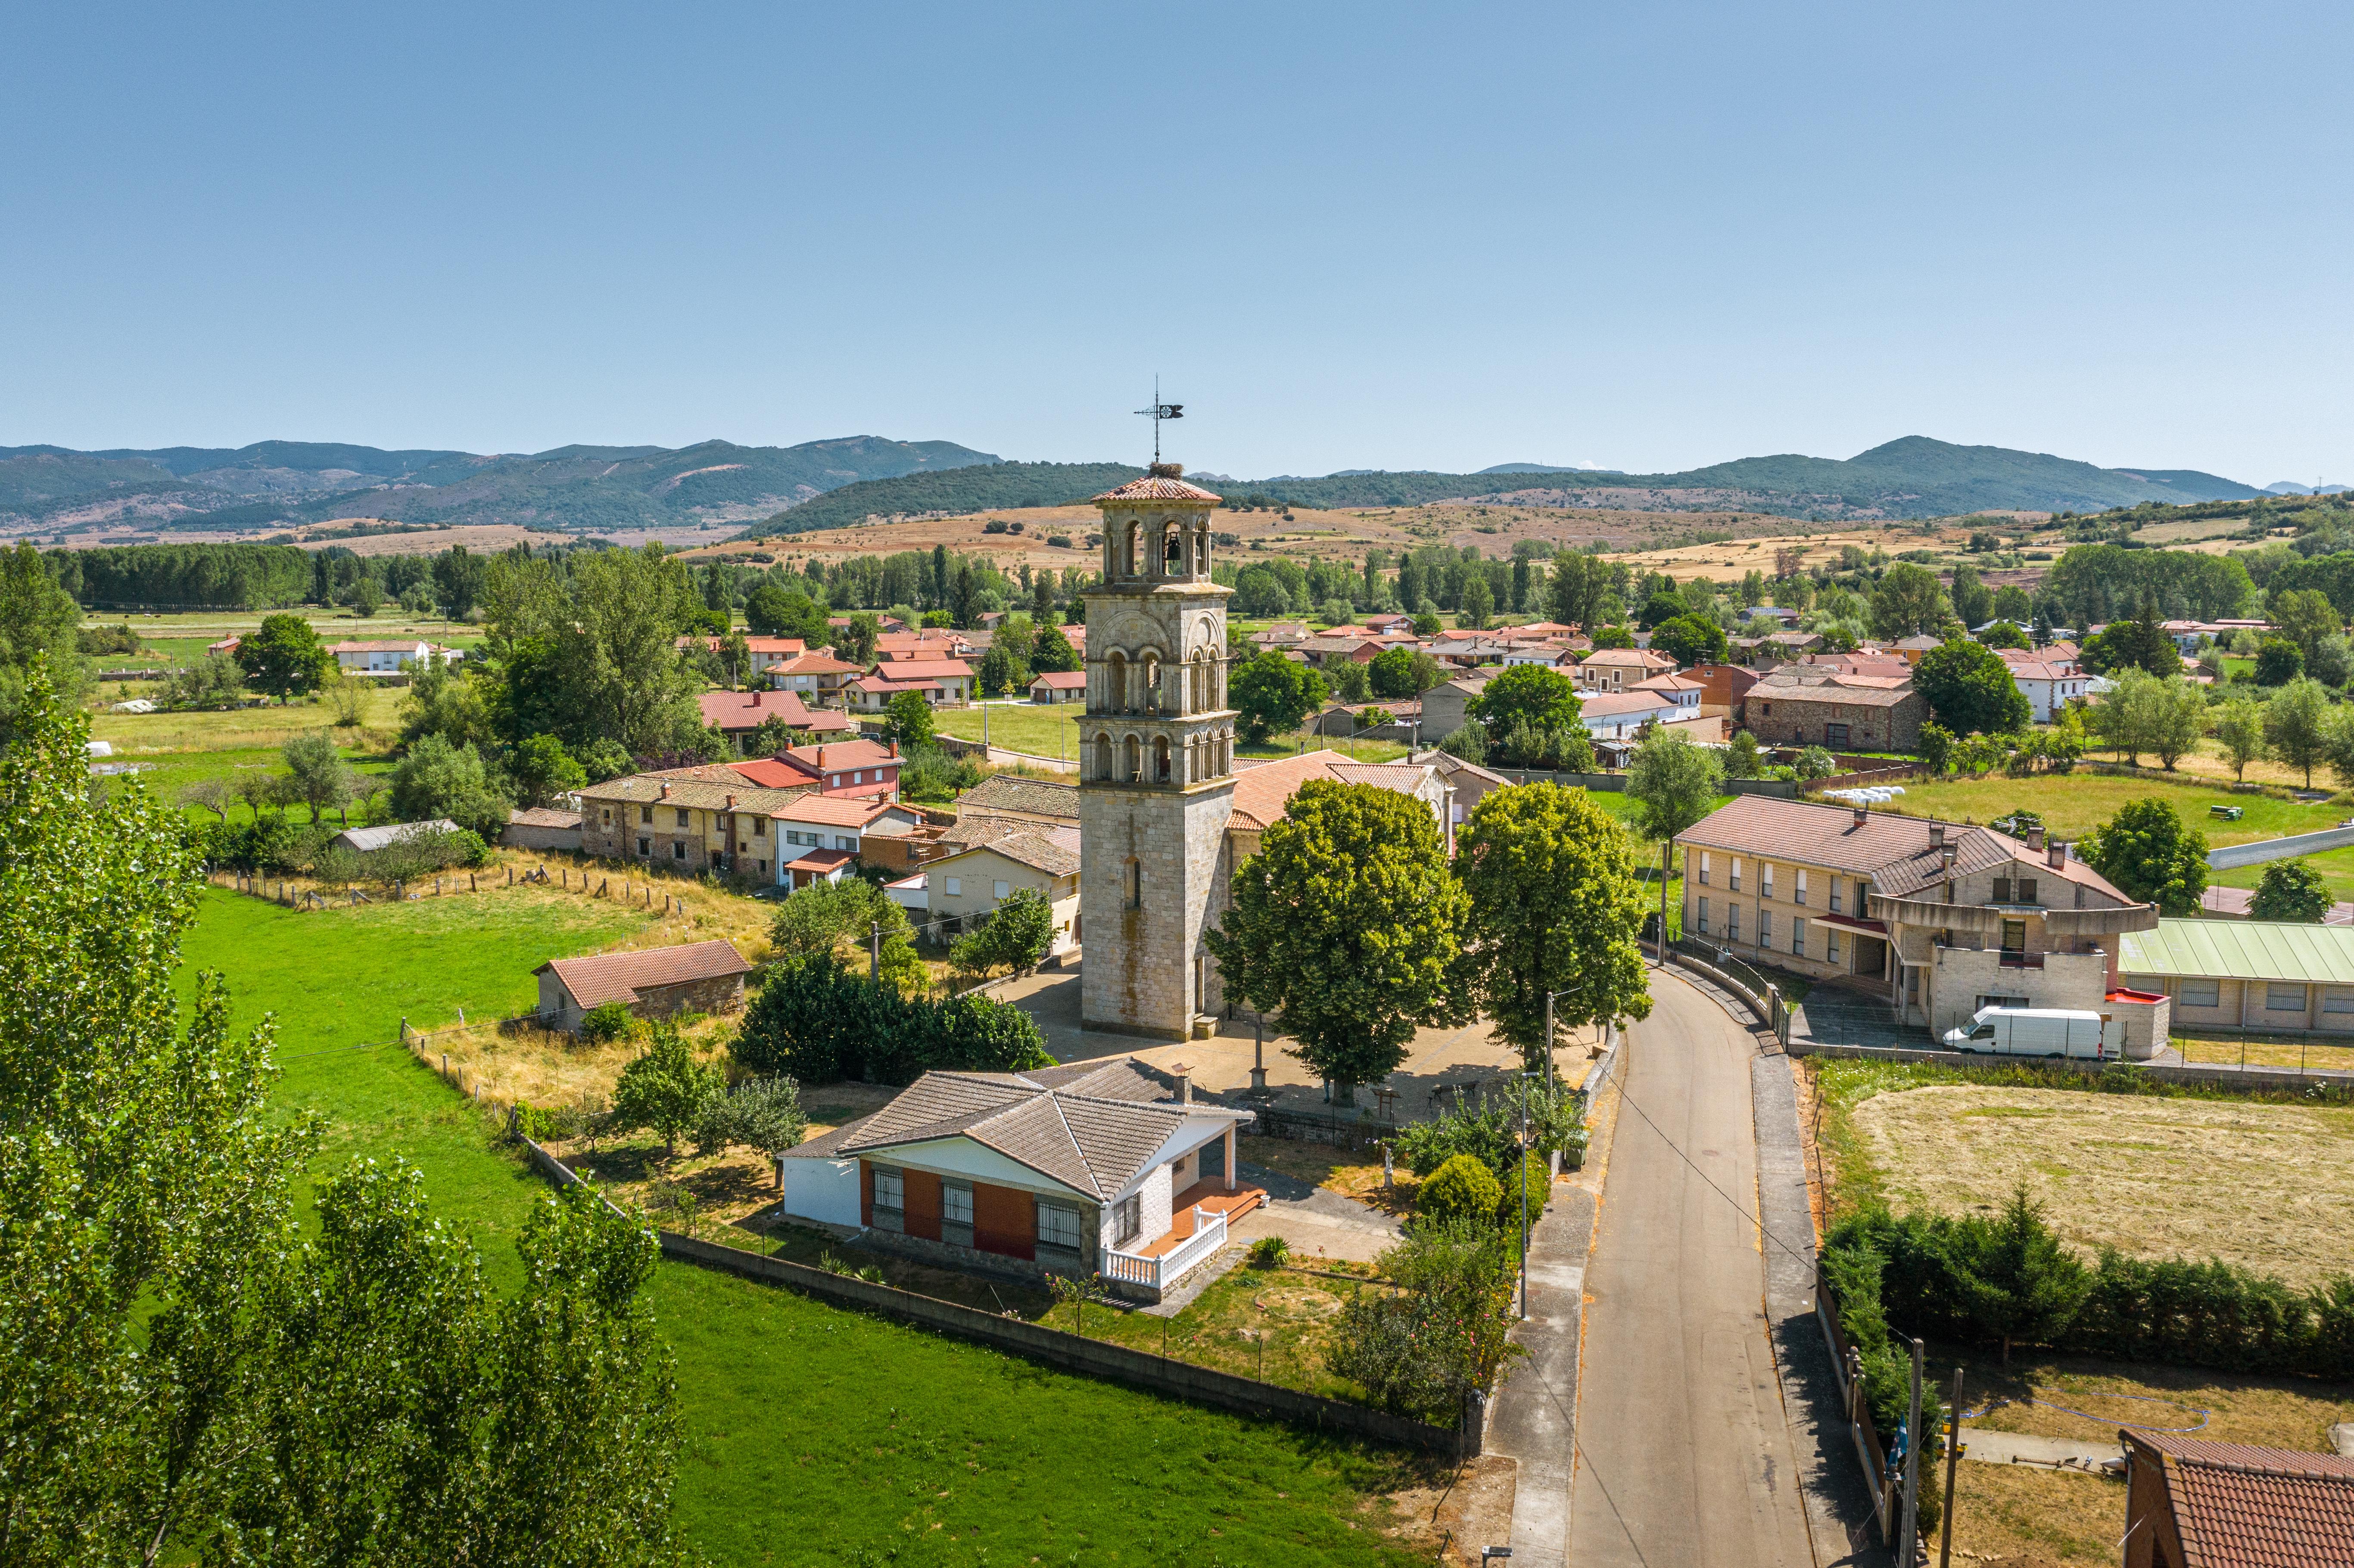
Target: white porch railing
{"type": "Point", "coordinates": [1157, 1273]}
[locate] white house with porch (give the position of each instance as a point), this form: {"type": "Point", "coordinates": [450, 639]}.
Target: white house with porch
{"type": "Point", "coordinates": [1091, 1168]}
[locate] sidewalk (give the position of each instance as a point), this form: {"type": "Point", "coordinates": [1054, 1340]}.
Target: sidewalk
{"type": "Point", "coordinates": [1533, 1420]}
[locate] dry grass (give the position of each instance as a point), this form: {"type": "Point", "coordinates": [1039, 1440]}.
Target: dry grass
{"type": "Point", "coordinates": [2017, 1516]}
{"type": "Point", "coordinates": [2296, 1054]}
{"type": "Point", "coordinates": [2263, 1186]}
{"type": "Point", "coordinates": [1344, 1172]}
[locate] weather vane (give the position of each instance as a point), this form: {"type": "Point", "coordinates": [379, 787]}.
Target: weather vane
{"type": "Point", "coordinates": [1158, 412]}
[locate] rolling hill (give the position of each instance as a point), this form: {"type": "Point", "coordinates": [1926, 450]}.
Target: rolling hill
{"type": "Point", "coordinates": [1914, 477]}
{"type": "Point", "coordinates": [581, 489]}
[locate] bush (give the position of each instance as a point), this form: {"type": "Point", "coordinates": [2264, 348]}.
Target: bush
{"type": "Point", "coordinates": [764, 1114]}
{"type": "Point", "coordinates": [1536, 1178]}
{"type": "Point", "coordinates": [1462, 1188]}
{"type": "Point", "coordinates": [1269, 1251]}
{"type": "Point", "coordinates": [1420, 1352]}
{"type": "Point", "coordinates": [1017, 934]}
{"type": "Point", "coordinates": [1491, 1132]}
{"type": "Point", "coordinates": [822, 1023]}
{"type": "Point", "coordinates": [608, 1021]}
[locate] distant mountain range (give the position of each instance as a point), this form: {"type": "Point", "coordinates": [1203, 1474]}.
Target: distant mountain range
{"type": "Point", "coordinates": [1914, 477]}
{"type": "Point", "coordinates": [2290, 487]}
{"type": "Point", "coordinates": [576, 488]}
{"type": "Point", "coordinates": [830, 484]}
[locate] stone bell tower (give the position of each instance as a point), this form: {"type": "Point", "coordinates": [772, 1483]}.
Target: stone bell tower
{"type": "Point", "coordinates": [1156, 780]}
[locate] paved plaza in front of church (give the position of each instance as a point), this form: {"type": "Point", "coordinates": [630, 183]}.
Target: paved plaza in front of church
{"type": "Point", "coordinates": [1438, 1060]}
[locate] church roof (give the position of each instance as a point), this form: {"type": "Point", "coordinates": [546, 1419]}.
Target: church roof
{"type": "Point", "coordinates": [1158, 486]}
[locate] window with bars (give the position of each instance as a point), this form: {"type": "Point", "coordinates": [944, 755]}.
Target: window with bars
{"type": "Point", "coordinates": [1058, 1226]}
{"type": "Point", "coordinates": [956, 1203]}
{"type": "Point", "coordinates": [1127, 1220]}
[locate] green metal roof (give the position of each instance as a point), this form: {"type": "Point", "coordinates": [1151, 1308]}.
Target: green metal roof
{"type": "Point", "coordinates": [2240, 949]}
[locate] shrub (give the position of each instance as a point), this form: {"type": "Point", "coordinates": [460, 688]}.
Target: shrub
{"type": "Point", "coordinates": [822, 1023]}
{"type": "Point", "coordinates": [1462, 1188]}
{"type": "Point", "coordinates": [1420, 1352]}
{"type": "Point", "coordinates": [608, 1021]}
{"type": "Point", "coordinates": [1017, 934]}
{"type": "Point", "coordinates": [1536, 1180]}
{"type": "Point", "coordinates": [664, 1088]}
{"type": "Point", "coordinates": [1269, 1251]}
{"type": "Point", "coordinates": [1491, 1132]}
{"type": "Point", "coordinates": [764, 1114]}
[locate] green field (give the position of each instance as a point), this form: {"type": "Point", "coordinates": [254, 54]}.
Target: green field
{"type": "Point", "coordinates": [2072, 803]}
{"type": "Point", "coordinates": [1039, 728]}
{"type": "Point", "coordinates": [813, 1434]}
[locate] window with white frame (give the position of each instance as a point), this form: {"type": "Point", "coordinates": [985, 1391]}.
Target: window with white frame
{"type": "Point", "coordinates": [1058, 1226]}
{"type": "Point", "coordinates": [2280, 998]}
{"type": "Point", "coordinates": [1703, 868]}
{"type": "Point", "coordinates": [1798, 885]}
{"type": "Point", "coordinates": [1735, 881]}
{"type": "Point", "coordinates": [1699, 922]}
{"type": "Point", "coordinates": [1764, 879]}
{"type": "Point", "coordinates": [1002, 889]}
{"type": "Point", "coordinates": [1127, 1220]}
{"type": "Point", "coordinates": [1799, 937]}
{"type": "Point", "coordinates": [956, 887]}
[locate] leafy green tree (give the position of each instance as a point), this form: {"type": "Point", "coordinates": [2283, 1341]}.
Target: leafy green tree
{"type": "Point", "coordinates": [2151, 857]}
{"type": "Point", "coordinates": [1815, 762]}
{"type": "Point", "coordinates": [1673, 784]}
{"type": "Point", "coordinates": [209, 684]}
{"type": "Point", "coordinates": [1051, 652]}
{"type": "Point", "coordinates": [1659, 609]}
{"type": "Point", "coordinates": [1742, 759]}
{"type": "Point", "coordinates": [459, 579]}
{"type": "Point", "coordinates": [2013, 605]}
{"type": "Point", "coordinates": [2240, 732]}
{"type": "Point", "coordinates": [1689, 639]}
{"type": "Point", "coordinates": [1611, 637]}
{"type": "Point", "coordinates": [284, 659]}
{"type": "Point", "coordinates": [1421, 1350]}
{"type": "Point", "coordinates": [438, 779]}
{"type": "Point", "coordinates": [907, 719]}
{"type": "Point", "coordinates": [40, 623]}
{"type": "Point", "coordinates": [444, 700]}
{"type": "Point", "coordinates": [1909, 602]}
{"type": "Point", "coordinates": [1479, 603]}
{"type": "Point", "coordinates": [2003, 634]}
{"type": "Point", "coordinates": [1018, 936]}
{"type": "Point", "coordinates": [188, 1377]}
{"type": "Point", "coordinates": [1469, 743]}
{"type": "Point", "coordinates": [2304, 617]}
{"type": "Point", "coordinates": [854, 643]}
{"type": "Point", "coordinates": [543, 770]}
{"type": "Point", "coordinates": [1404, 673]}
{"type": "Point", "coordinates": [2291, 890]}
{"type": "Point", "coordinates": [763, 1114]}
{"type": "Point", "coordinates": [1973, 602]}
{"type": "Point", "coordinates": [1273, 695]}
{"type": "Point", "coordinates": [996, 672]}
{"type": "Point", "coordinates": [1936, 748]}
{"type": "Point", "coordinates": [1461, 1189]}
{"type": "Point", "coordinates": [1970, 689]}
{"type": "Point", "coordinates": [319, 778]}
{"type": "Point", "coordinates": [2177, 718]}
{"type": "Point", "coordinates": [664, 1088]}
{"type": "Point", "coordinates": [1348, 924]}
{"type": "Point", "coordinates": [1554, 907]}
{"type": "Point", "coordinates": [2278, 662]}
{"type": "Point", "coordinates": [2298, 725]}
{"type": "Point", "coordinates": [772, 609]}
{"type": "Point", "coordinates": [1538, 695]}
{"type": "Point", "coordinates": [2139, 644]}
{"type": "Point", "coordinates": [1579, 583]}
{"type": "Point", "coordinates": [1349, 681]}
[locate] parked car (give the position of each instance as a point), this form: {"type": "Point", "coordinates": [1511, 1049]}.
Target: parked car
{"type": "Point", "coordinates": [2039, 1031]}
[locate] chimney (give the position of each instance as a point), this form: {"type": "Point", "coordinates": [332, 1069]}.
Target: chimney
{"type": "Point", "coordinates": [1937, 836]}
{"type": "Point", "coordinates": [666, 790]}
{"type": "Point", "coordinates": [2056, 855]}
{"type": "Point", "coordinates": [731, 802]}
{"type": "Point", "coordinates": [1948, 854]}
{"type": "Point", "coordinates": [1184, 1082]}
{"type": "Point", "coordinates": [1862, 811]}
{"type": "Point", "coordinates": [820, 760]}
{"type": "Point", "coordinates": [894, 748]}
{"type": "Point", "coordinates": [2035, 838]}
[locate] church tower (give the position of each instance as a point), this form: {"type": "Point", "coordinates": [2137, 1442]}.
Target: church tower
{"type": "Point", "coordinates": [1156, 778]}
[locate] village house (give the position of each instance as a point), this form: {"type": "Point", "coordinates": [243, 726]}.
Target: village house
{"type": "Point", "coordinates": [1537, 650]}
{"type": "Point", "coordinates": [388, 656]}
{"type": "Point", "coordinates": [1059, 686]}
{"type": "Point", "coordinates": [1446, 708]}
{"type": "Point", "coordinates": [1681, 689]}
{"type": "Point", "coordinates": [2196, 1504]}
{"type": "Point", "coordinates": [813, 677]}
{"type": "Point", "coordinates": [543, 828]}
{"type": "Point", "coordinates": [987, 863]}
{"type": "Point", "coordinates": [738, 715]}
{"type": "Point", "coordinates": [860, 769]}
{"type": "Point", "coordinates": [1936, 920]}
{"type": "Point", "coordinates": [1392, 625]}
{"type": "Point", "coordinates": [943, 683]}
{"type": "Point", "coordinates": [686, 820]}
{"type": "Point", "coordinates": [1093, 1169]}
{"type": "Point", "coordinates": [699, 977]}
{"type": "Point", "coordinates": [1617, 669]}
{"type": "Point", "coordinates": [2048, 689]}
{"type": "Point", "coordinates": [823, 838]}
{"type": "Point", "coordinates": [1799, 705]}
{"type": "Point", "coordinates": [767, 653]}
{"type": "Point", "coordinates": [1617, 715]}
{"type": "Point", "coordinates": [1723, 688]}
{"type": "Point", "coordinates": [1914, 648]}
{"type": "Point", "coordinates": [1040, 802]}
{"type": "Point", "coordinates": [1468, 783]}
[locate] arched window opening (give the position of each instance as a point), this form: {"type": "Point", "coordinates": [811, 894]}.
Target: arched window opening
{"type": "Point", "coordinates": [1152, 683]}
{"type": "Point", "coordinates": [1132, 884]}
{"type": "Point", "coordinates": [1201, 551]}
{"type": "Point", "coordinates": [1172, 551]}
{"type": "Point", "coordinates": [1134, 772]}
{"type": "Point", "coordinates": [1198, 684]}
{"type": "Point", "coordinates": [1161, 759]}
{"type": "Point", "coordinates": [1115, 683]}
{"type": "Point", "coordinates": [1103, 756]}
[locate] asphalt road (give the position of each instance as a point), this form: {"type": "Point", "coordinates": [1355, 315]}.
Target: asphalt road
{"type": "Point", "coordinates": [1684, 1456]}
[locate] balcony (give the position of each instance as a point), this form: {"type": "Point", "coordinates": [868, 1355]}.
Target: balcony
{"type": "Point", "coordinates": [2013, 959]}
{"type": "Point", "coordinates": [1203, 1212]}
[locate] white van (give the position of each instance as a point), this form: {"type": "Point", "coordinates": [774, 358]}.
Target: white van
{"type": "Point", "coordinates": [2039, 1031]}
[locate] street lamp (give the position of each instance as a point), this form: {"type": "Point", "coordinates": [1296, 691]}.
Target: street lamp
{"type": "Point", "coordinates": [1548, 1035]}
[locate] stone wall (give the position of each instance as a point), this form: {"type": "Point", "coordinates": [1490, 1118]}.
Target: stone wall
{"type": "Point", "coordinates": [725, 995]}
{"type": "Point", "coordinates": [1799, 720]}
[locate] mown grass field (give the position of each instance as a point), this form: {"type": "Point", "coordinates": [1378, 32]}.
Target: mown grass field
{"type": "Point", "coordinates": [814, 1435]}
{"type": "Point", "coordinates": [2070, 804]}
{"type": "Point", "coordinates": [1041, 729]}
{"type": "Point", "coordinates": [2263, 1184]}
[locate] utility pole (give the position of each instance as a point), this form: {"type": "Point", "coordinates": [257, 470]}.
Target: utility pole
{"type": "Point", "coordinates": [1953, 1459]}
{"type": "Point", "coordinates": [1521, 1176]}
{"type": "Point", "coordinates": [874, 951]}
{"type": "Point", "coordinates": [1909, 1528]}
{"type": "Point", "coordinates": [1667, 854]}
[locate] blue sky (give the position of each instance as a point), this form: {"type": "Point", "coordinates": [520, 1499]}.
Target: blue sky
{"type": "Point", "coordinates": [1347, 236]}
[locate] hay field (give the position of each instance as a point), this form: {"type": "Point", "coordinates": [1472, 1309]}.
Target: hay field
{"type": "Point", "coordinates": [2267, 1187]}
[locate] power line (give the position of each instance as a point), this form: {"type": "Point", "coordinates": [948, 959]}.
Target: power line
{"type": "Point", "coordinates": [1762, 1227]}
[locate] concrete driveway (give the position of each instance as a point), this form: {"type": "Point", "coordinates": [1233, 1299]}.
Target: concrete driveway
{"type": "Point", "coordinates": [1684, 1456]}
{"type": "Point", "coordinates": [1315, 1220]}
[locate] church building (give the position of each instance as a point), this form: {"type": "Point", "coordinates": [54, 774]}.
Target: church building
{"type": "Point", "coordinates": [1157, 775]}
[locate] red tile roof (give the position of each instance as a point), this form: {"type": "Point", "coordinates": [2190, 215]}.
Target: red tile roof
{"type": "Point", "coordinates": [2238, 1506]}
{"type": "Point", "coordinates": [822, 860]}
{"type": "Point", "coordinates": [621, 977]}
{"type": "Point", "coordinates": [1155, 487]}
{"type": "Point", "coordinates": [831, 811]}
{"type": "Point", "coordinates": [1262, 793]}
{"type": "Point", "coordinates": [1060, 680]}
{"type": "Point", "coordinates": [746, 710]}
{"type": "Point", "coordinates": [924, 670]}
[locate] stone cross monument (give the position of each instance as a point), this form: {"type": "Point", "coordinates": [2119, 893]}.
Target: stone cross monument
{"type": "Point", "coordinates": [1156, 764]}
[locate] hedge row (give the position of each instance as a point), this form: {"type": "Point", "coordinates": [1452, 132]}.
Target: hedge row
{"type": "Point", "coordinates": [1978, 1279]}
{"type": "Point", "coordinates": [821, 1023]}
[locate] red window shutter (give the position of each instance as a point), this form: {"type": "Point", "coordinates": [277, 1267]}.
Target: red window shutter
{"type": "Point", "coordinates": [1004, 1221]}
{"type": "Point", "coordinates": [923, 1201]}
